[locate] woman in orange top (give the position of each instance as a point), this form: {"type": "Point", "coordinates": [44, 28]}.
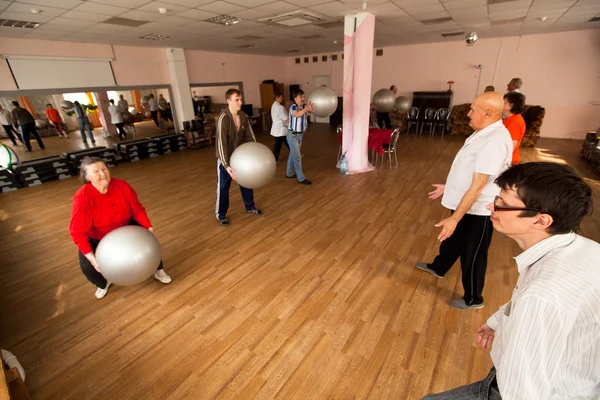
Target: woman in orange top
{"type": "Point", "coordinates": [514, 103]}
{"type": "Point", "coordinates": [56, 120]}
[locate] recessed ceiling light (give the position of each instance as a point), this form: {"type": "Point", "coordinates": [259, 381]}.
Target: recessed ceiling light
{"type": "Point", "coordinates": [224, 20]}
{"type": "Point", "coordinates": [154, 36]}
{"type": "Point", "coordinates": [335, 42]}
{"type": "Point", "coordinates": [36, 11]}
{"type": "Point", "coordinates": [163, 10]}
{"type": "Point", "coordinates": [543, 19]}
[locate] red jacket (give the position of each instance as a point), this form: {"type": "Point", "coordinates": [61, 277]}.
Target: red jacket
{"type": "Point", "coordinates": [95, 214]}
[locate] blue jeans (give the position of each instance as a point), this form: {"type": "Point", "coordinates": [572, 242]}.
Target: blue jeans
{"type": "Point", "coordinates": [294, 164]}
{"type": "Point", "coordinates": [223, 184]}
{"type": "Point", "coordinates": [84, 124]}
{"type": "Point", "coordinates": [486, 389]}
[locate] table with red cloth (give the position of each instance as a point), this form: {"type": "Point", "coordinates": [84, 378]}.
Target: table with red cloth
{"type": "Point", "coordinates": [377, 138]}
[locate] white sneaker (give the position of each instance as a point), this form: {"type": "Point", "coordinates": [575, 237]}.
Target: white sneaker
{"type": "Point", "coordinates": [162, 276]}
{"type": "Point", "coordinates": [100, 293]}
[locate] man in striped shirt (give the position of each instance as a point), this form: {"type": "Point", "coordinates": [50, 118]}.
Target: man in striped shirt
{"type": "Point", "coordinates": [298, 123]}
{"type": "Point", "coordinates": [546, 339]}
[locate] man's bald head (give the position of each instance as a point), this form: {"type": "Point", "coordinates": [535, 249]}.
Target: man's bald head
{"type": "Point", "coordinates": [485, 110]}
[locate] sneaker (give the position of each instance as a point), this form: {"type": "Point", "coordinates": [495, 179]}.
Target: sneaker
{"type": "Point", "coordinates": [161, 276]}
{"type": "Point", "coordinates": [305, 182]}
{"type": "Point", "coordinates": [255, 211]}
{"type": "Point", "coordinates": [224, 221]}
{"type": "Point", "coordinates": [460, 304]}
{"type": "Point", "coordinates": [100, 293]}
{"type": "Point", "coordinates": [425, 267]}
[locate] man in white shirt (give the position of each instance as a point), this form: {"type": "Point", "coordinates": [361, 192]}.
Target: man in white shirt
{"type": "Point", "coordinates": [153, 106]}
{"type": "Point", "coordinates": [279, 129]}
{"type": "Point", "coordinates": [514, 85]}
{"type": "Point", "coordinates": [469, 188]}
{"type": "Point", "coordinates": [6, 120]}
{"type": "Point", "coordinates": [546, 340]}
{"type": "Point", "coordinates": [116, 117]}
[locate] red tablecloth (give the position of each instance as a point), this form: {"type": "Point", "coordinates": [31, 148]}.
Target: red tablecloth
{"type": "Point", "coordinates": [377, 138]}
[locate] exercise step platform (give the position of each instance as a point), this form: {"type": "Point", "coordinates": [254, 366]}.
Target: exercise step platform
{"type": "Point", "coordinates": [135, 150]}
{"type": "Point", "coordinates": [170, 143]}
{"type": "Point", "coordinates": [39, 170]}
{"type": "Point", "coordinates": [8, 181]}
{"type": "Point", "coordinates": [108, 155]}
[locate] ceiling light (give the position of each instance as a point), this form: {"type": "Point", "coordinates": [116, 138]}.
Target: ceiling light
{"type": "Point", "coordinates": [543, 19]}
{"type": "Point", "coordinates": [11, 23]}
{"type": "Point", "coordinates": [154, 36]}
{"type": "Point", "coordinates": [162, 10]}
{"type": "Point", "coordinates": [36, 11]}
{"type": "Point", "coordinates": [224, 20]}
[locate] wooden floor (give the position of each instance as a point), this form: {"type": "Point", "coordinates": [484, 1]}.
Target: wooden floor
{"type": "Point", "coordinates": [317, 299]}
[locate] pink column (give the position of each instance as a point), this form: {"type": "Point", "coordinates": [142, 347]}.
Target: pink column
{"type": "Point", "coordinates": [359, 32]}
{"type": "Point", "coordinates": [102, 102]}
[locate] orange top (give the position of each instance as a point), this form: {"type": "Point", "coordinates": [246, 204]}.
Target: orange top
{"type": "Point", "coordinates": [516, 127]}
{"type": "Point", "coordinates": [53, 115]}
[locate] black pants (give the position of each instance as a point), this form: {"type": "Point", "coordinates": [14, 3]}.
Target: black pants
{"type": "Point", "coordinates": [9, 132]}
{"type": "Point", "coordinates": [470, 241]}
{"type": "Point", "coordinates": [223, 185]}
{"type": "Point", "coordinates": [384, 118]}
{"type": "Point", "coordinates": [29, 129]}
{"type": "Point", "coordinates": [155, 117]}
{"type": "Point", "coordinates": [122, 132]}
{"type": "Point", "coordinates": [88, 269]}
{"type": "Point", "coordinates": [279, 140]}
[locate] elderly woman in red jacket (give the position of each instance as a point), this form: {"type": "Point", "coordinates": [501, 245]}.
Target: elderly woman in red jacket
{"type": "Point", "coordinates": [101, 205]}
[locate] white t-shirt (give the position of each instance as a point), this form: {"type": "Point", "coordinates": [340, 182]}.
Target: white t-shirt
{"type": "Point", "coordinates": [6, 118]}
{"type": "Point", "coordinates": [153, 104]}
{"type": "Point", "coordinates": [279, 115]}
{"type": "Point", "coordinates": [489, 152]}
{"type": "Point", "coordinates": [116, 115]}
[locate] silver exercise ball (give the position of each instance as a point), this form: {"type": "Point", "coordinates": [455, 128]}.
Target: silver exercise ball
{"type": "Point", "coordinates": [325, 101]}
{"type": "Point", "coordinates": [253, 165]}
{"type": "Point", "coordinates": [128, 255]}
{"type": "Point", "coordinates": [67, 105]}
{"type": "Point", "coordinates": [133, 111]}
{"type": "Point", "coordinates": [145, 100]}
{"type": "Point", "coordinates": [384, 100]}
{"type": "Point", "coordinates": [40, 124]}
{"type": "Point", "coordinates": [148, 114]}
{"type": "Point", "coordinates": [402, 104]}
{"type": "Point", "coordinates": [471, 38]}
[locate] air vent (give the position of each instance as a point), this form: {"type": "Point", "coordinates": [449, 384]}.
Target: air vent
{"type": "Point", "coordinates": [315, 58]}
{"type": "Point", "coordinates": [323, 58]}
{"type": "Point", "coordinates": [11, 23]}
{"type": "Point", "coordinates": [333, 24]}
{"type": "Point", "coordinates": [297, 60]}
{"type": "Point", "coordinates": [224, 20]}
{"type": "Point", "coordinates": [132, 23]}
{"type": "Point", "coordinates": [154, 36]}
{"type": "Point", "coordinates": [595, 19]}
{"type": "Point", "coordinates": [313, 37]}
{"type": "Point", "coordinates": [293, 19]}
{"type": "Point", "coordinates": [490, 2]}
{"type": "Point", "coordinates": [379, 52]}
{"type": "Point", "coordinates": [249, 46]}
{"type": "Point", "coordinates": [334, 57]}
{"type": "Point", "coordinates": [508, 21]}
{"type": "Point", "coordinates": [436, 21]}
{"type": "Point", "coordinates": [249, 37]}
{"type": "Point", "coordinates": [450, 34]}
{"type": "Point", "coordinates": [306, 60]}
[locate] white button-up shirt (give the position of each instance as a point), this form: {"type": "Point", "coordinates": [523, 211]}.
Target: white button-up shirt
{"type": "Point", "coordinates": [279, 115]}
{"type": "Point", "coordinates": [116, 115]}
{"type": "Point", "coordinates": [547, 341]}
{"type": "Point", "coordinates": [489, 152]}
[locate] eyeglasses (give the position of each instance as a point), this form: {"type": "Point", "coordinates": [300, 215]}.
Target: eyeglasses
{"type": "Point", "coordinates": [507, 208]}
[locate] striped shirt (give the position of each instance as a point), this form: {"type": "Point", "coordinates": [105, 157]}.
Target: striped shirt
{"type": "Point", "coordinates": [547, 337]}
{"type": "Point", "coordinates": [298, 124]}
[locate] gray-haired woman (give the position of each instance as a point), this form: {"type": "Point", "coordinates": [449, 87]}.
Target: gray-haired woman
{"type": "Point", "coordinates": [100, 206]}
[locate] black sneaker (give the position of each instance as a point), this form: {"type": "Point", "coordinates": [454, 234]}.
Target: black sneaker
{"type": "Point", "coordinates": [305, 182]}
{"type": "Point", "coordinates": [224, 222]}
{"type": "Point", "coordinates": [291, 177]}
{"type": "Point", "coordinates": [255, 211]}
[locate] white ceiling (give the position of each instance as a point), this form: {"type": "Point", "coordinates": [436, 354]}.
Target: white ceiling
{"type": "Point", "coordinates": [398, 21]}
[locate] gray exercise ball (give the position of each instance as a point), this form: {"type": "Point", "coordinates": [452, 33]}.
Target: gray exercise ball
{"type": "Point", "coordinates": [128, 255]}
{"type": "Point", "coordinates": [148, 114]}
{"type": "Point", "coordinates": [133, 111]}
{"type": "Point", "coordinates": [67, 105]}
{"type": "Point", "coordinates": [40, 124]}
{"type": "Point", "coordinates": [325, 101]}
{"type": "Point", "coordinates": [145, 100]}
{"type": "Point", "coordinates": [384, 100]}
{"type": "Point", "coordinates": [402, 104]}
{"type": "Point", "coordinates": [253, 165]}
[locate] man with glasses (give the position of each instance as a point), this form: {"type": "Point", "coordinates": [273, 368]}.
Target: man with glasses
{"type": "Point", "coordinates": [469, 188]}
{"type": "Point", "coordinates": [546, 340]}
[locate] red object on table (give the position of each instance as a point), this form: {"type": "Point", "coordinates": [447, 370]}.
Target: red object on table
{"type": "Point", "coordinates": [377, 138]}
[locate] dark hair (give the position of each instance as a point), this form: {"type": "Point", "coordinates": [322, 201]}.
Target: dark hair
{"type": "Point", "coordinates": [111, 101]}
{"type": "Point", "coordinates": [231, 92]}
{"type": "Point", "coordinates": [48, 105]}
{"type": "Point", "coordinates": [277, 94]}
{"type": "Point", "coordinates": [392, 87]}
{"type": "Point", "coordinates": [86, 162]}
{"type": "Point", "coordinates": [15, 103]}
{"type": "Point", "coordinates": [553, 189]}
{"type": "Point", "coordinates": [516, 101]}
{"type": "Point", "coordinates": [297, 92]}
